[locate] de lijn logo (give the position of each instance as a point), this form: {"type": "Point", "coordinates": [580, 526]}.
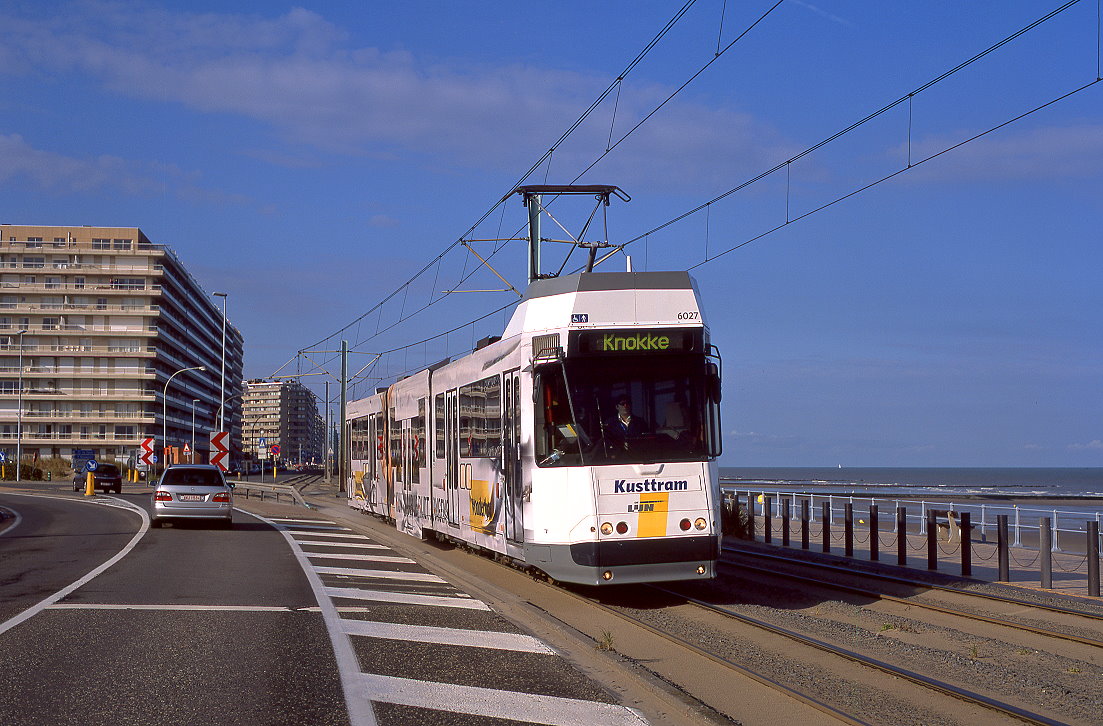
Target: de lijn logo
{"type": "Point", "coordinates": [640, 341]}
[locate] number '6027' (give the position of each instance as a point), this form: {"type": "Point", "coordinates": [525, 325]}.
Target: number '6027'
{"type": "Point", "coordinates": [688, 316]}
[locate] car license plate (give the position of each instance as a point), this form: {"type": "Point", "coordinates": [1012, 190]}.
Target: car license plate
{"type": "Point", "coordinates": [191, 497]}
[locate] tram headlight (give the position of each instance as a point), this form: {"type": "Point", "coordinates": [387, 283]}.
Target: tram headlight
{"type": "Point", "coordinates": [606, 528]}
{"type": "Point", "coordinates": [700, 523]}
{"type": "Point", "coordinates": [622, 527]}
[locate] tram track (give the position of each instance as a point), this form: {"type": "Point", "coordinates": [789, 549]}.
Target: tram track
{"type": "Point", "coordinates": [912, 602]}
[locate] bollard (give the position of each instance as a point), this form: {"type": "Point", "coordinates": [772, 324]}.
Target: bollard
{"type": "Point", "coordinates": [767, 520]}
{"type": "Point", "coordinates": [804, 524]}
{"type": "Point", "coordinates": [874, 534]}
{"type": "Point", "coordinates": [827, 526]}
{"type": "Point", "coordinates": [848, 529]}
{"type": "Point", "coordinates": [1001, 546]}
{"type": "Point", "coordinates": [1093, 559]}
{"type": "Point", "coordinates": [750, 515]}
{"type": "Point", "coordinates": [1045, 553]}
{"type": "Point", "coordinates": [932, 541]}
{"type": "Point", "coordinates": [966, 545]}
{"type": "Point", "coordinates": [785, 522]}
{"type": "Point", "coordinates": [902, 536]}
{"type": "Point", "coordinates": [90, 485]}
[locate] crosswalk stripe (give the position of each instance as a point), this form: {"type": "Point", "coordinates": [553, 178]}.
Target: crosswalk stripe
{"type": "Point", "coordinates": [446, 636]}
{"type": "Point", "coordinates": [384, 574]}
{"type": "Point", "coordinates": [492, 703]}
{"type": "Point", "coordinates": [361, 545]}
{"type": "Point", "coordinates": [359, 558]}
{"type": "Point", "coordinates": [356, 593]}
{"type": "Point", "coordinates": [345, 534]}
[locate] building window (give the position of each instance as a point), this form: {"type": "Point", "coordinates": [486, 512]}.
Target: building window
{"type": "Point", "coordinates": [101, 244]}
{"type": "Point", "coordinates": [34, 261]}
{"type": "Point", "coordinates": [123, 244]}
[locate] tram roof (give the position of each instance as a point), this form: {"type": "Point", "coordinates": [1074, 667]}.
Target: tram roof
{"type": "Point", "coordinates": [600, 281]}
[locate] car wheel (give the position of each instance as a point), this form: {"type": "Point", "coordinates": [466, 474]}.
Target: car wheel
{"type": "Point", "coordinates": [118, 489]}
{"type": "Point", "coordinates": [154, 524]}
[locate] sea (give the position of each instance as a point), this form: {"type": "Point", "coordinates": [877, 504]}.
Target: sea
{"type": "Point", "coordinates": [1002, 483]}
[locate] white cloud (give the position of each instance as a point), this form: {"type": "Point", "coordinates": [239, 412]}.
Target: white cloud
{"type": "Point", "coordinates": [296, 74]}
{"type": "Point", "coordinates": [1093, 445]}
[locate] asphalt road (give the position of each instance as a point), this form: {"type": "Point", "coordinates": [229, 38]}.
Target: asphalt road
{"type": "Point", "coordinates": [191, 625]}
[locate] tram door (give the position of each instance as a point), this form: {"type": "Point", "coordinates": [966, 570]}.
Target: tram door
{"type": "Point", "coordinates": [511, 457]}
{"type": "Point", "coordinates": [452, 454]}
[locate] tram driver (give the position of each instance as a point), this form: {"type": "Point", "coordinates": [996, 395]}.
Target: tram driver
{"type": "Point", "coordinates": [625, 425]}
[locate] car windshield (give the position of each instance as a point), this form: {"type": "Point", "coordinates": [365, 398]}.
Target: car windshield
{"type": "Point", "coordinates": [193, 477]}
{"type": "Point", "coordinates": [605, 412]}
{"type": "Point", "coordinates": [107, 470]}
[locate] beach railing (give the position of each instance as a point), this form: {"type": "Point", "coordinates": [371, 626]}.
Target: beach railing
{"type": "Point", "coordinates": [1030, 528]}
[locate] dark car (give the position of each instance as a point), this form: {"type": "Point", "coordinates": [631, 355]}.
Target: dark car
{"type": "Point", "coordinates": [107, 477]}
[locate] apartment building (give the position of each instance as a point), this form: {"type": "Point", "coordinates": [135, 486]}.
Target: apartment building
{"type": "Point", "coordinates": [284, 413]}
{"type": "Point", "coordinates": [97, 328]}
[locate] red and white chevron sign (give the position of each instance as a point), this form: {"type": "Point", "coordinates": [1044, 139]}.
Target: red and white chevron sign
{"type": "Point", "coordinates": [147, 452]}
{"type": "Point", "coordinates": [219, 450]}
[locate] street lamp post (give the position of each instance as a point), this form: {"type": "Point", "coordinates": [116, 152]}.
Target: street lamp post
{"type": "Point", "coordinates": [191, 458]}
{"type": "Point", "coordinates": [19, 416]}
{"type": "Point", "coordinates": [222, 385]}
{"type": "Point", "coordinates": [165, 412]}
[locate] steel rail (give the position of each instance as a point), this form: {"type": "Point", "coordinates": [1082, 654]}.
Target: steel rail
{"type": "Point", "coordinates": [919, 583]}
{"type": "Point", "coordinates": [913, 603]}
{"type": "Point", "coordinates": [942, 687]}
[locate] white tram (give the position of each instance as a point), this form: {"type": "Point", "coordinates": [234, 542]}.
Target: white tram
{"type": "Point", "coordinates": [521, 448]}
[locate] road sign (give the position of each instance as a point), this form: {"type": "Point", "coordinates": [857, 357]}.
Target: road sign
{"type": "Point", "coordinates": [91, 465]}
{"type": "Point", "coordinates": [219, 450]}
{"type": "Point", "coordinates": [147, 456]}
{"type": "Point", "coordinates": [3, 458]}
{"type": "Point", "coordinates": [83, 454]}
{"type": "Point", "coordinates": [187, 448]}
{"type": "Point", "coordinates": [263, 441]}
{"type": "Point", "coordinates": [275, 449]}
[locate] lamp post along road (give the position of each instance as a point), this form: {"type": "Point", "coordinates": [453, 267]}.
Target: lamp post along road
{"type": "Point", "coordinates": [191, 457]}
{"type": "Point", "coordinates": [165, 412]}
{"type": "Point", "coordinates": [222, 384]}
{"type": "Point", "coordinates": [19, 416]}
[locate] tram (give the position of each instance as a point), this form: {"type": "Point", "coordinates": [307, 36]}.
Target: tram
{"type": "Point", "coordinates": [582, 443]}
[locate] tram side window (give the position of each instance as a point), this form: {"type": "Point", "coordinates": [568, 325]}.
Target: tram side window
{"type": "Point", "coordinates": [555, 425]}
{"type": "Point", "coordinates": [438, 421]}
{"type": "Point", "coordinates": [417, 442]}
{"type": "Point", "coordinates": [395, 446]}
{"type": "Point", "coordinates": [481, 418]}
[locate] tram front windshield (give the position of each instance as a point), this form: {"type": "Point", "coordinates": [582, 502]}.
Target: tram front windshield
{"type": "Point", "coordinates": [618, 411]}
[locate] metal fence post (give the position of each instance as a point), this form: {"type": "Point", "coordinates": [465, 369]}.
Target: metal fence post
{"type": "Point", "coordinates": [1093, 559]}
{"type": "Point", "coordinates": [827, 526]}
{"type": "Point", "coordinates": [1045, 554]}
{"type": "Point", "coordinates": [750, 514]}
{"type": "Point", "coordinates": [785, 522]}
{"type": "Point", "coordinates": [767, 519]}
{"type": "Point", "coordinates": [848, 529]}
{"type": "Point", "coordinates": [1056, 532]}
{"type": "Point", "coordinates": [804, 524]}
{"type": "Point", "coordinates": [1001, 547]}
{"type": "Point", "coordinates": [983, 525]}
{"type": "Point", "coordinates": [902, 536]}
{"type": "Point", "coordinates": [966, 545]}
{"type": "Point", "coordinates": [874, 534]}
{"type": "Point", "coordinates": [1018, 539]}
{"type": "Point", "coordinates": [932, 540]}
{"type": "Point", "coordinates": [922, 517]}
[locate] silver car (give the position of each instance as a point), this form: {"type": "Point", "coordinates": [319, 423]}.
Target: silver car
{"type": "Point", "coordinates": [192, 491]}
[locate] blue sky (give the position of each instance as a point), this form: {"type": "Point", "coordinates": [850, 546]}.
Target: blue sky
{"type": "Point", "coordinates": [311, 158]}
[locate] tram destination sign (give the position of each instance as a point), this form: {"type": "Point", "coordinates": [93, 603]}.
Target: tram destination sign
{"type": "Point", "coordinates": [635, 341]}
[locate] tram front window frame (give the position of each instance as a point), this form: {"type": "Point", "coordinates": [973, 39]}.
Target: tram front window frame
{"type": "Point", "coordinates": [672, 397]}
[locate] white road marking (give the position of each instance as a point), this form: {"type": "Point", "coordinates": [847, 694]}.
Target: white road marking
{"type": "Point", "coordinates": [307, 521]}
{"type": "Point", "coordinates": [18, 518]}
{"type": "Point", "coordinates": [447, 636]}
{"type": "Point", "coordinates": [361, 545]}
{"type": "Point", "coordinates": [43, 604]}
{"type": "Point", "coordinates": [308, 528]}
{"type": "Point", "coordinates": [347, 535]}
{"type": "Point", "coordinates": [182, 608]}
{"type": "Point", "coordinates": [356, 593]}
{"type": "Point", "coordinates": [512, 705]}
{"type": "Point", "coordinates": [385, 574]}
{"type": "Point", "coordinates": [357, 703]}
{"type": "Point", "coordinates": [359, 558]}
